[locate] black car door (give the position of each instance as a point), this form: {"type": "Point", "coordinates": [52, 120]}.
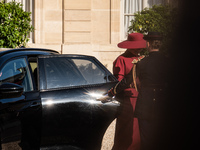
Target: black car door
{"type": "Point", "coordinates": [20, 111]}
{"type": "Point", "coordinates": [72, 118]}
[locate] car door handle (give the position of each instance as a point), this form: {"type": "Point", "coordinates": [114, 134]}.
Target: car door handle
{"type": "Point", "coordinates": [107, 99]}
{"type": "Point", "coordinates": [34, 104]}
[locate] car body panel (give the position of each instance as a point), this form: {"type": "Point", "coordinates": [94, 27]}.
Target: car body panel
{"type": "Point", "coordinates": [74, 117]}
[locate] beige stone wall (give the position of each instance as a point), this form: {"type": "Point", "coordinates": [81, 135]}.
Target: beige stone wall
{"type": "Point", "coordinates": [48, 21]}
{"type": "Point", "coordinates": [92, 28]}
{"type": "Point", "coordinates": [89, 27]}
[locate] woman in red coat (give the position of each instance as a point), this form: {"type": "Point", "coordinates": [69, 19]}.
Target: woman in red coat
{"type": "Point", "coordinates": [127, 136]}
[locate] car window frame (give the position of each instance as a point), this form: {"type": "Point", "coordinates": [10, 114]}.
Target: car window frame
{"type": "Point", "coordinates": [42, 73]}
{"type": "Point", "coordinates": [30, 58]}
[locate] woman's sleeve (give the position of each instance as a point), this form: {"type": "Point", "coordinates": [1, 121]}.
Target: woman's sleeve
{"type": "Point", "coordinates": [118, 68]}
{"type": "Point", "coordinates": [124, 83]}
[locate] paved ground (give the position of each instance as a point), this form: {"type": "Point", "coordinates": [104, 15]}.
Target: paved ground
{"type": "Point", "coordinates": [108, 139]}
{"type": "Point", "coordinates": [107, 143]}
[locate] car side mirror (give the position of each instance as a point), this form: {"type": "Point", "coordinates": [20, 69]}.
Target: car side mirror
{"type": "Point", "coordinates": [10, 90]}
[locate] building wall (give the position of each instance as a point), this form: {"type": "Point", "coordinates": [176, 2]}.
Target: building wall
{"type": "Point", "coordinates": [89, 27]}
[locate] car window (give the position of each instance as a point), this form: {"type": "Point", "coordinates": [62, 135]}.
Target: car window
{"type": "Point", "coordinates": [90, 71]}
{"type": "Point", "coordinates": [34, 64]}
{"type": "Point", "coordinates": [67, 72]}
{"type": "Point", "coordinates": [16, 71]}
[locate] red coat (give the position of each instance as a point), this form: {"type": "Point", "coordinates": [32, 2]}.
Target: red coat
{"type": "Point", "coordinates": [127, 135]}
{"type": "Point", "coordinates": [121, 67]}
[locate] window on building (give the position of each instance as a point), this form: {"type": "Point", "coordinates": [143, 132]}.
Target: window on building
{"type": "Point", "coordinates": [28, 5]}
{"type": "Point", "coordinates": [129, 7]}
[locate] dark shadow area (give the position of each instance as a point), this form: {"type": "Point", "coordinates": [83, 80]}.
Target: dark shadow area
{"type": "Point", "coordinates": [182, 117]}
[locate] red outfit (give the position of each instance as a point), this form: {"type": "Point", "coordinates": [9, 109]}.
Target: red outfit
{"type": "Point", "coordinates": [127, 136]}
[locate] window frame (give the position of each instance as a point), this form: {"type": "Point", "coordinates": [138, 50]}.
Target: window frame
{"type": "Point", "coordinates": [128, 13]}
{"type": "Point", "coordinates": [35, 78]}
{"type": "Point", "coordinates": [142, 4]}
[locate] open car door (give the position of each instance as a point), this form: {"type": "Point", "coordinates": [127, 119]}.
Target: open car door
{"type": "Point", "coordinates": [72, 118]}
{"type": "Point", "coordinates": [20, 109]}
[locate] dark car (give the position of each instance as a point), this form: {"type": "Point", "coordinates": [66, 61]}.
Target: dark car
{"type": "Point", "coordinates": [49, 100]}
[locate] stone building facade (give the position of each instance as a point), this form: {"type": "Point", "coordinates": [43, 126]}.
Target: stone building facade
{"type": "Point", "coordinates": [90, 27]}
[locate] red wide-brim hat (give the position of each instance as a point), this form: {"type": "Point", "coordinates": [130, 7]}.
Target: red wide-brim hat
{"type": "Point", "coordinates": [134, 41]}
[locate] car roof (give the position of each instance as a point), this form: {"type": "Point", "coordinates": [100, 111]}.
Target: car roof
{"type": "Point", "coordinates": [22, 50]}
{"type": "Point", "coordinates": [9, 54]}
{"type": "Point", "coordinates": [37, 51]}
